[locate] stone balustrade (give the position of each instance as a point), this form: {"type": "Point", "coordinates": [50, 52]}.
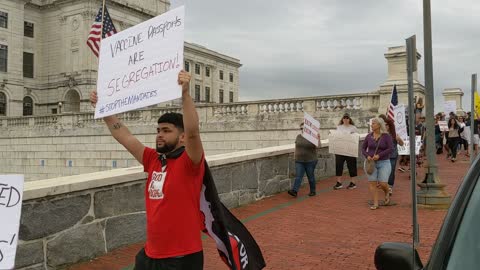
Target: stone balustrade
{"type": "Point", "coordinates": [42, 147]}
{"type": "Point", "coordinates": [293, 105]}
{"type": "Point", "coordinates": [71, 219]}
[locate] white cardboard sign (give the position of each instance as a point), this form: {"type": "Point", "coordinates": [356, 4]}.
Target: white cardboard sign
{"type": "Point", "coordinates": [139, 66]}
{"type": "Point", "coordinates": [310, 129]}
{"type": "Point", "coordinates": [405, 149]}
{"type": "Point", "coordinates": [11, 194]}
{"type": "Point", "coordinates": [443, 125]}
{"type": "Point", "coordinates": [400, 121]}
{"type": "Point", "coordinates": [342, 143]}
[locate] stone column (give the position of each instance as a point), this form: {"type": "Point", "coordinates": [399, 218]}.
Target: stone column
{"type": "Point", "coordinates": [454, 94]}
{"type": "Point", "coordinates": [397, 75]}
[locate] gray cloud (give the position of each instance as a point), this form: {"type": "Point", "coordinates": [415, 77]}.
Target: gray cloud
{"type": "Point", "coordinates": [320, 47]}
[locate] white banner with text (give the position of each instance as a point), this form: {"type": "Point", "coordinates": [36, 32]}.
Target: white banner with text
{"type": "Point", "coordinates": [139, 66]}
{"type": "Point", "coordinates": [11, 194]}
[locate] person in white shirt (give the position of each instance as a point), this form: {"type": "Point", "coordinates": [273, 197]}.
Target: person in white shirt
{"type": "Point", "coordinates": [346, 125]}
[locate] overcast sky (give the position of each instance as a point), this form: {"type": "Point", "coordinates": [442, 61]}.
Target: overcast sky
{"type": "Point", "coordinates": [324, 47]}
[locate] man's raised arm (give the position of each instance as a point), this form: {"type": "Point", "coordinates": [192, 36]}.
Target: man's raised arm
{"type": "Point", "coordinates": [121, 133]}
{"type": "Point", "coordinates": [193, 143]}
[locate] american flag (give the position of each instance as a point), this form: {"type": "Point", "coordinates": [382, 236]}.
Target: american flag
{"type": "Point", "coordinates": [393, 103]}
{"type": "Point", "coordinates": [93, 40]}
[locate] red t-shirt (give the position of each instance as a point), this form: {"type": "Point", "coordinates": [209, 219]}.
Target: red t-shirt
{"type": "Point", "coordinates": [172, 205]}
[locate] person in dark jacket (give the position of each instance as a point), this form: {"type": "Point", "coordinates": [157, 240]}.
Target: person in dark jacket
{"type": "Point", "coordinates": [305, 162]}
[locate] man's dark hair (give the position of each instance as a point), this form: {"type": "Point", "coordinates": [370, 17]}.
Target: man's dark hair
{"type": "Point", "coordinates": [175, 119]}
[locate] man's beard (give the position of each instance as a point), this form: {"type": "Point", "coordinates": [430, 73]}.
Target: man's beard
{"type": "Point", "coordinates": [167, 147]}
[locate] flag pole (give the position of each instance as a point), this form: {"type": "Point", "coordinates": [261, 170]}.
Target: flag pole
{"type": "Point", "coordinates": [103, 16]}
{"type": "Point", "coordinates": [391, 95]}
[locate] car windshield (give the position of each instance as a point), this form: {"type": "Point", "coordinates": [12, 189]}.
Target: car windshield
{"type": "Point", "coordinates": [466, 249]}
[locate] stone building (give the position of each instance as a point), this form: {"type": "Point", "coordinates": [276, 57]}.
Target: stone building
{"type": "Point", "coordinates": [47, 68]}
{"type": "Point", "coordinates": [215, 76]}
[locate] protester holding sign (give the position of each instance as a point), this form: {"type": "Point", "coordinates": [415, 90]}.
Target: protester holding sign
{"type": "Point", "coordinates": [377, 147]}
{"type": "Point", "coordinates": [453, 138]}
{"type": "Point", "coordinates": [305, 162]}
{"type": "Point", "coordinates": [173, 186]}
{"type": "Point", "coordinates": [346, 125]}
{"type": "Point", "coordinates": [181, 198]}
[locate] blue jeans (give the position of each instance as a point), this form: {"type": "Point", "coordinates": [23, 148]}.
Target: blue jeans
{"type": "Point", "coordinates": [301, 168]}
{"type": "Point", "coordinates": [391, 179]}
{"type": "Point", "coordinates": [382, 171]}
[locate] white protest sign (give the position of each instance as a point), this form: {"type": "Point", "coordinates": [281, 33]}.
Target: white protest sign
{"type": "Point", "coordinates": [400, 121]}
{"type": "Point", "coordinates": [405, 149]}
{"type": "Point", "coordinates": [11, 194]}
{"type": "Point", "coordinates": [310, 129]}
{"type": "Point", "coordinates": [343, 143]}
{"type": "Point", "coordinates": [443, 125]}
{"type": "Point", "coordinates": [465, 133]}
{"type": "Point", "coordinates": [139, 66]}
{"type": "Point", "coordinates": [450, 106]}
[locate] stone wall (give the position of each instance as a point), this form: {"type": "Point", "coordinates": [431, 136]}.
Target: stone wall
{"type": "Point", "coordinates": [69, 144]}
{"type": "Point", "coordinates": [71, 219]}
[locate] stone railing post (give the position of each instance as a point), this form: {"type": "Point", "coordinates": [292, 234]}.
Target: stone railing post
{"type": "Point", "coordinates": [66, 120]}
{"type": "Point", "coordinates": [454, 94]}
{"type": "Point", "coordinates": [309, 105]}
{"type": "Point", "coordinates": [146, 116]}
{"type": "Point", "coordinates": [253, 109]}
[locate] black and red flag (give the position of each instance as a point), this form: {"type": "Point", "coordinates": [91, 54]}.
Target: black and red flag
{"type": "Point", "coordinates": [235, 245]}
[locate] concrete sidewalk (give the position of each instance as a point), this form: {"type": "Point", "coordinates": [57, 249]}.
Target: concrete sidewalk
{"type": "Point", "coordinates": [334, 230]}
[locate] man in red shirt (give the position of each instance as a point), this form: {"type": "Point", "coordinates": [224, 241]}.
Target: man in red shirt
{"type": "Point", "coordinates": [172, 195]}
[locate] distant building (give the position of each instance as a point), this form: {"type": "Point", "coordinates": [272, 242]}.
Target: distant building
{"type": "Point", "coordinates": [215, 76]}
{"type": "Point", "coordinates": [47, 68]}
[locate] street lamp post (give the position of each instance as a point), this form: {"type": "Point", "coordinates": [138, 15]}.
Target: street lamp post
{"type": "Point", "coordinates": [432, 193]}
{"type": "Point", "coordinates": [432, 172]}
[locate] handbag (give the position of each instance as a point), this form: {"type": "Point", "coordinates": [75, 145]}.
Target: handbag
{"type": "Point", "coordinates": [370, 164]}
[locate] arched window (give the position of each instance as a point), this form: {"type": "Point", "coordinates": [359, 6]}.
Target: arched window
{"type": "Point", "coordinates": [27, 106]}
{"type": "Point", "coordinates": [72, 101]}
{"type": "Point", "coordinates": [3, 104]}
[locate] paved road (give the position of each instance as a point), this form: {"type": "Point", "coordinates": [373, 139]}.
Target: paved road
{"type": "Point", "coordinates": [333, 230]}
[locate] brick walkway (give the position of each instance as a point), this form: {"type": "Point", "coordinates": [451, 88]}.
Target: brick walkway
{"type": "Point", "coordinates": [334, 230]}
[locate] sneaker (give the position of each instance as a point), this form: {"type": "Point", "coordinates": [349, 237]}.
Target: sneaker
{"type": "Point", "coordinates": [312, 193]}
{"type": "Point", "coordinates": [352, 186]}
{"type": "Point", "coordinates": [292, 193]}
{"type": "Point", "coordinates": [338, 185]}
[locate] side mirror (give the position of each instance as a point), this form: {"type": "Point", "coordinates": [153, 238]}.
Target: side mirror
{"type": "Point", "coordinates": [396, 256]}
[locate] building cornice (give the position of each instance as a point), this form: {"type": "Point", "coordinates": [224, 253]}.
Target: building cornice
{"type": "Point", "coordinates": [200, 50]}
{"type": "Point", "coordinates": [49, 4]}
